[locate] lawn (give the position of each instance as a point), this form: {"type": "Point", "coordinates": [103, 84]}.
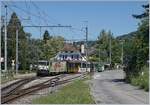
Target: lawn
{"type": "Point", "coordinates": [77, 92]}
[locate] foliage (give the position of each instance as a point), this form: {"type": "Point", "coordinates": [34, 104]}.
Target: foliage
{"type": "Point", "coordinates": [137, 53]}
{"type": "Point", "coordinates": [30, 50]}
{"type": "Point", "coordinates": [12, 26]}
{"type": "Point", "coordinates": [103, 48]}
{"type": "Point", "coordinates": [128, 36]}
{"type": "Point", "coordinates": [46, 36]}
{"type": "Point", "coordinates": [145, 14]}
{"type": "Point", "coordinates": [142, 80]}
{"type": "Point", "coordinates": [34, 50]}
{"type": "Point", "coordinates": [53, 45]}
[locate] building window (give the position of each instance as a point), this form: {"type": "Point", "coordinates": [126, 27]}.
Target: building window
{"type": "Point", "coordinates": [65, 56]}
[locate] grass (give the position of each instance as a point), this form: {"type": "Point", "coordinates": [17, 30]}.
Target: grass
{"type": "Point", "coordinates": [10, 75]}
{"type": "Point", "coordinates": [5, 79]}
{"type": "Point", "coordinates": [142, 80]}
{"type": "Point", "coordinates": [77, 92]}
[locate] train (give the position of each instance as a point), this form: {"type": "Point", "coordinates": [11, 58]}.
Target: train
{"type": "Point", "coordinates": [45, 68]}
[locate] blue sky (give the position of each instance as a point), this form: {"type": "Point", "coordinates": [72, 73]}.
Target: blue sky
{"type": "Point", "coordinates": [111, 15]}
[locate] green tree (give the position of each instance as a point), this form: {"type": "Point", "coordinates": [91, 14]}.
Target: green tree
{"type": "Point", "coordinates": [104, 43]}
{"type": "Point", "coordinates": [34, 50]}
{"type": "Point", "coordinates": [46, 36]}
{"type": "Point", "coordinates": [137, 50]}
{"type": "Point", "coordinates": [103, 46]}
{"type": "Point", "coordinates": [142, 40]}
{"type": "Point", "coordinates": [51, 45]}
{"type": "Point", "coordinates": [13, 25]}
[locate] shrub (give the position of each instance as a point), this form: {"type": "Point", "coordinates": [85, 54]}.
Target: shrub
{"type": "Point", "coordinates": [142, 80]}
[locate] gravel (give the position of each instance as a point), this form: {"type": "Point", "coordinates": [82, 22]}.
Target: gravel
{"type": "Point", "coordinates": [108, 87]}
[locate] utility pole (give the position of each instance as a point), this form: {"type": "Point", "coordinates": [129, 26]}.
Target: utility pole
{"type": "Point", "coordinates": [99, 56]}
{"type": "Point", "coordinates": [16, 50]}
{"type": "Point", "coordinates": [5, 58]}
{"type": "Point", "coordinates": [122, 53]}
{"type": "Point", "coordinates": [110, 51]}
{"type": "Point", "coordinates": [86, 28]}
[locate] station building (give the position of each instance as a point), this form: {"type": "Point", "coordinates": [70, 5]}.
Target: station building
{"type": "Point", "coordinates": [74, 57]}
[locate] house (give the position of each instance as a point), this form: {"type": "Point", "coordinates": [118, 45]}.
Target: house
{"type": "Point", "coordinates": [75, 58]}
{"type": "Point", "coordinates": [70, 53]}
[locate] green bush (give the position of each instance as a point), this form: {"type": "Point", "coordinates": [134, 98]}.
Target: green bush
{"type": "Point", "coordinates": [142, 80]}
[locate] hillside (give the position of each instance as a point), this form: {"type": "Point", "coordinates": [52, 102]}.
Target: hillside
{"type": "Point", "coordinates": [127, 36]}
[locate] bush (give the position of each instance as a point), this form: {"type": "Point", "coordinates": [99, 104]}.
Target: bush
{"type": "Point", "coordinates": [142, 80]}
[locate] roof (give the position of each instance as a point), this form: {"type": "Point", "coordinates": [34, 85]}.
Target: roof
{"type": "Point", "coordinates": [69, 47]}
{"type": "Point", "coordinates": [77, 61]}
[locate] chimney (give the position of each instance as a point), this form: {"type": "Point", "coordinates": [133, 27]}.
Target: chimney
{"type": "Point", "coordinates": [82, 48]}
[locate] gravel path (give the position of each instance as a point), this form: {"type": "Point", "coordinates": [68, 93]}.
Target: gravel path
{"type": "Point", "coordinates": [108, 88]}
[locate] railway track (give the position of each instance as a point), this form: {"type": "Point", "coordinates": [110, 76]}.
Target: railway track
{"type": "Point", "coordinates": [15, 91]}
{"type": "Point", "coordinates": [7, 90]}
{"type": "Point", "coordinates": [49, 83]}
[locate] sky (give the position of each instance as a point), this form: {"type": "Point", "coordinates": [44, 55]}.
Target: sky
{"type": "Point", "coordinates": [97, 15]}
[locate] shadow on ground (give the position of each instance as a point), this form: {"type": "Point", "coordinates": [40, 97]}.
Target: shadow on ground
{"type": "Point", "coordinates": [118, 80]}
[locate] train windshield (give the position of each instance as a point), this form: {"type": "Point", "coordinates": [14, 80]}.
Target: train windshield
{"type": "Point", "coordinates": [45, 63]}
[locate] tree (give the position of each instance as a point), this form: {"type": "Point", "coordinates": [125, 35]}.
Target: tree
{"type": "Point", "coordinates": [46, 36]}
{"type": "Point", "coordinates": [138, 52]}
{"type": "Point", "coordinates": [103, 45]}
{"type": "Point", "coordinates": [142, 39]}
{"type": "Point", "coordinates": [51, 45]}
{"type": "Point", "coordinates": [143, 15]}
{"type": "Point", "coordinates": [34, 50]}
{"type": "Point", "coordinates": [103, 48]}
{"type": "Point", "coordinates": [13, 25]}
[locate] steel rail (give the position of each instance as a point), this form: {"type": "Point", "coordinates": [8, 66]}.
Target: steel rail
{"type": "Point", "coordinates": [37, 87]}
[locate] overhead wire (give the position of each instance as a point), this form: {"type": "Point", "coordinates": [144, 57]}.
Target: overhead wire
{"type": "Point", "coordinates": [11, 9]}
{"type": "Point", "coordinates": [40, 17]}
{"type": "Point", "coordinates": [28, 7]}
{"type": "Point", "coordinates": [42, 12]}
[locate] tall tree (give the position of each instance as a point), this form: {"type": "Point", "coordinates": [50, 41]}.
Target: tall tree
{"type": "Point", "coordinates": [13, 25]}
{"type": "Point", "coordinates": [46, 36]}
{"type": "Point", "coordinates": [142, 38]}
{"type": "Point", "coordinates": [137, 50]}
{"type": "Point", "coordinates": [103, 45]}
